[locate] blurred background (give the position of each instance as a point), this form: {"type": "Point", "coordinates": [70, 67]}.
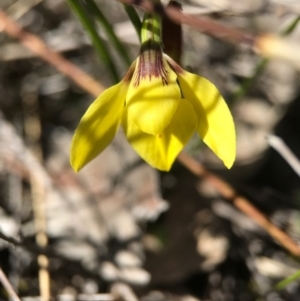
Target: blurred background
{"type": "Point", "coordinates": [120, 230]}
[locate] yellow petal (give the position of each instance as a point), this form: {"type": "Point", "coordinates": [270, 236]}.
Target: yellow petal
{"type": "Point", "coordinates": [152, 103]}
{"type": "Point", "coordinates": [98, 126]}
{"type": "Point", "coordinates": [161, 150]}
{"type": "Point", "coordinates": [215, 123]}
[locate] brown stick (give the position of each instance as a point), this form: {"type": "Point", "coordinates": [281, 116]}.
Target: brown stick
{"type": "Point", "coordinates": [37, 46]}
{"type": "Point", "coordinates": [205, 25]}
{"type": "Point", "coordinates": [32, 132]}
{"type": "Point", "coordinates": [8, 287]}
{"type": "Point", "coordinates": [267, 45]}
{"type": "Point", "coordinates": [240, 202]}
{"type": "Point", "coordinates": [91, 86]}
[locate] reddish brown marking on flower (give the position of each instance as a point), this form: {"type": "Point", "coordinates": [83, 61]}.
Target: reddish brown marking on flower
{"type": "Point", "coordinates": [130, 72]}
{"type": "Point", "coordinates": [150, 63]}
{"type": "Point", "coordinates": [159, 135]}
{"type": "Point", "coordinates": [177, 68]}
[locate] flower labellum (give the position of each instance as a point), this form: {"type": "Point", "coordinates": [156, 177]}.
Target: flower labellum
{"type": "Point", "coordinates": [160, 106]}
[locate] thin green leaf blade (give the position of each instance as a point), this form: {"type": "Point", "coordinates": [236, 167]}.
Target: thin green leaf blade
{"type": "Point", "coordinates": [98, 43]}
{"type": "Point", "coordinates": [134, 18]}
{"type": "Point", "coordinates": [100, 17]}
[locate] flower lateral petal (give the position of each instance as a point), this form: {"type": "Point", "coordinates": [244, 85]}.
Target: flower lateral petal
{"type": "Point", "coordinates": [152, 99]}
{"type": "Point", "coordinates": [161, 150]}
{"type": "Point", "coordinates": [98, 126]}
{"type": "Point", "coordinates": [215, 123]}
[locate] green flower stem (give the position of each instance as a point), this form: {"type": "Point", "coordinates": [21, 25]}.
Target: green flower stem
{"type": "Point", "coordinates": [151, 28]}
{"type": "Point", "coordinates": [285, 282]}
{"type": "Point", "coordinates": [134, 18]}
{"type": "Point", "coordinates": [248, 83]}
{"type": "Point", "coordinates": [99, 45]}
{"type": "Point", "coordinates": [93, 8]}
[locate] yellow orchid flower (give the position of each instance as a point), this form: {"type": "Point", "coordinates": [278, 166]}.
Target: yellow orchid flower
{"type": "Point", "coordinates": [160, 105]}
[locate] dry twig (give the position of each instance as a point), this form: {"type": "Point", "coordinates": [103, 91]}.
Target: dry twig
{"type": "Point", "coordinates": [202, 24]}
{"type": "Point", "coordinates": [21, 7]}
{"type": "Point", "coordinates": [19, 160]}
{"type": "Point", "coordinates": [37, 46]}
{"type": "Point", "coordinates": [228, 192]}
{"type": "Point", "coordinates": [8, 287]}
{"type": "Point", "coordinates": [32, 130]}
{"type": "Point", "coordinates": [270, 46]}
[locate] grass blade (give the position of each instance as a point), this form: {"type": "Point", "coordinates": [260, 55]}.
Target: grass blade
{"type": "Point", "coordinates": [100, 17]}
{"type": "Point", "coordinates": [99, 45]}
{"type": "Point", "coordinates": [285, 282]}
{"type": "Point", "coordinates": [134, 18]}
